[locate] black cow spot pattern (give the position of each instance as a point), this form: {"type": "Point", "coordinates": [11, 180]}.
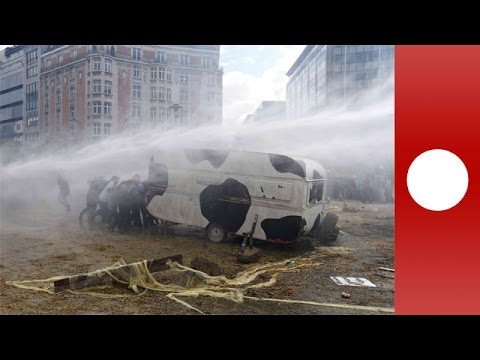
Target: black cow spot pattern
{"type": "Point", "coordinates": [215, 157]}
{"type": "Point", "coordinates": [285, 164]}
{"type": "Point", "coordinates": [226, 204]}
{"type": "Point", "coordinates": [286, 228]}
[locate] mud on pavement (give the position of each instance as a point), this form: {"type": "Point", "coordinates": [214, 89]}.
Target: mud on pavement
{"type": "Point", "coordinates": [51, 243]}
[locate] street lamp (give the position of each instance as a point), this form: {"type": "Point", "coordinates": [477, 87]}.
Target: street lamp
{"type": "Point", "coordinates": [176, 111]}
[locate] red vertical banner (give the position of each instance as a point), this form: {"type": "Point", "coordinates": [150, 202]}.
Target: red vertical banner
{"type": "Point", "coordinates": [437, 106]}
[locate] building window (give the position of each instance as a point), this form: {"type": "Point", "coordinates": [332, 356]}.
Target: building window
{"type": "Point", "coordinates": [161, 73]}
{"type": "Point", "coordinates": [153, 112]}
{"type": "Point", "coordinates": [161, 57]}
{"type": "Point", "coordinates": [108, 65]}
{"type": "Point", "coordinates": [153, 93]}
{"type": "Point", "coordinates": [183, 115]}
{"type": "Point", "coordinates": [97, 108]}
{"type": "Point", "coordinates": [136, 93]}
{"type": "Point", "coordinates": [219, 79]}
{"type": "Point", "coordinates": [110, 50]}
{"type": "Point", "coordinates": [107, 108]}
{"type": "Point", "coordinates": [161, 113]}
{"type": "Point", "coordinates": [72, 112]}
{"type": "Point", "coordinates": [32, 121]}
{"type": "Point", "coordinates": [161, 93]}
{"type": "Point", "coordinates": [210, 98]}
{"type": "Point", "coordinates": [97, 86]}
{"type": "Point", "coordinates": [58, 131]}
{"type": "Point", "coordinates": [183, 77]}
{"type": "Point", "coordinates": [210, 116]}
{"type": "Point", "coordinates": [184, 60]}
{"type": "Point", "coordinates": [183, 96]}
{"type": "Point", "coordinates": [32, 56]}
{"type": "Point", "coordinates": [73, 53]}
{"type": "Point", "coordinates": [60, 59]}
{"type": "Point", "coordinates": [32, 96]}
{"type": "Point", "coordinates": [107, 129]}
{"type": "Point", "coordinates": [169, 94]}
{"type": "Point", "coordinates": [153, 73]}
{"type": "Point", "coordinates": [136, 111]}
{"type": "Point", "coordinates": [211, 78]}
{"type": "Point", "coordinates": [48, 63]}
{"type": "Point", "coordinates": [136, 71]}
{"type": "Point", "coordinates": [205, 62]}
{"type": "Point", "coordinates": [92, 49]}
{"type": "Point", "coordinates": [108, 88]}
{"type": "Point", "coordinates": [169, 75]}
{"type": "Point", "coordinates": [32, 71]}
{"type": "Point", "coordinates": [72, 131]}
{"type": "Point", "coordinates": [32, 137]}
{"type": "Point", "coordinates": [136, 53]}
{"type": "Point", "coordinates": [97, 129]}
{"type": "Point", "coordinates": [97, 64]}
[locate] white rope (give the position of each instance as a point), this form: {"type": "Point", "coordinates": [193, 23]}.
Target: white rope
{"type": "Point", "coordinates": [203, 284]}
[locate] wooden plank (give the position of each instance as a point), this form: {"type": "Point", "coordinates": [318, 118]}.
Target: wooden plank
{"type": "Point", "coordinates": [82, 281]}
{"type": "Point", "coordinates": [386, 269]}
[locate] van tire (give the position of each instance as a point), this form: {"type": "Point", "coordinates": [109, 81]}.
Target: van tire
{"type": "Point", "coordinates": [328, 230]}
{"type": "Point", "coordinates": [216, 233]}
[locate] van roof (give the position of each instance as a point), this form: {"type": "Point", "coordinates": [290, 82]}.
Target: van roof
{"type": "Point", "coordinates": [241, 161]}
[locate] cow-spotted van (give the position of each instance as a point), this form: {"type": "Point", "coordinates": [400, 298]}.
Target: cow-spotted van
{"type": "Point", "coordinates": [224, 191]}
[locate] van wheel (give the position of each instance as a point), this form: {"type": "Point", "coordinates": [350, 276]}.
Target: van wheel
{"type": "Point", "coordinates": [328, 230]}
{"type": "Point", "coordinates": [216, 233]}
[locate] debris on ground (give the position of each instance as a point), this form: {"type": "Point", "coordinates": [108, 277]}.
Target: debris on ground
{"type": "Point", "coordinates": [352, 281]}
{"type": "Point", "coordinates": [386, 269]}
{"type": "Point", "coordinates": [346, 295]}
{"type": "Point", "coordinates": [386, 275]}
{"type": "Point", "coordinates": [349, 209]}
{"type": "Point", "coordinates": [119, 272]}
{"type": "Point", "coordinates": [44, 248]}
{"type": "Point", "coordinates": [249, 256]}
{"type": "Point", "coordinates": [208, 267]}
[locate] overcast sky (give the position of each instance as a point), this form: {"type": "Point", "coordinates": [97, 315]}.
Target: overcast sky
{"type": "Point", "coordinates": [252, 74]}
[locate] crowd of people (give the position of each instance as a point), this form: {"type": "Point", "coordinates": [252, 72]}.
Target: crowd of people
{"type": "Point", "coordinates": [122, 205]}
{"type": "Point", "coordinates": [367, 188]}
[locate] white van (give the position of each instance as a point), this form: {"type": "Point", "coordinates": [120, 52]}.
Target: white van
{"type": "Point", "coordinates": [223, 191]}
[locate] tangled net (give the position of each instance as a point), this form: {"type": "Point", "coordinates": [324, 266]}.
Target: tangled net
{"type": "Point", "coordinates": [137, 276]}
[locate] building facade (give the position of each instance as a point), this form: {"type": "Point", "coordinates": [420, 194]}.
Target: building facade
{"type": "Point", "coordinates": [19, 106]}
{"type": "Point", "coordinates": [324, 74]}
{"type": "Point", "coordinates": [90, 92]}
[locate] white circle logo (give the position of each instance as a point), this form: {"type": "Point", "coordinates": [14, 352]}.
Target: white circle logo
{"type": "Point", "coordinates": [437, 180]}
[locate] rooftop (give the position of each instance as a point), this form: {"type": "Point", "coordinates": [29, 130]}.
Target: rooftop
{"type": "Point", "coordinates": [300, 59]}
